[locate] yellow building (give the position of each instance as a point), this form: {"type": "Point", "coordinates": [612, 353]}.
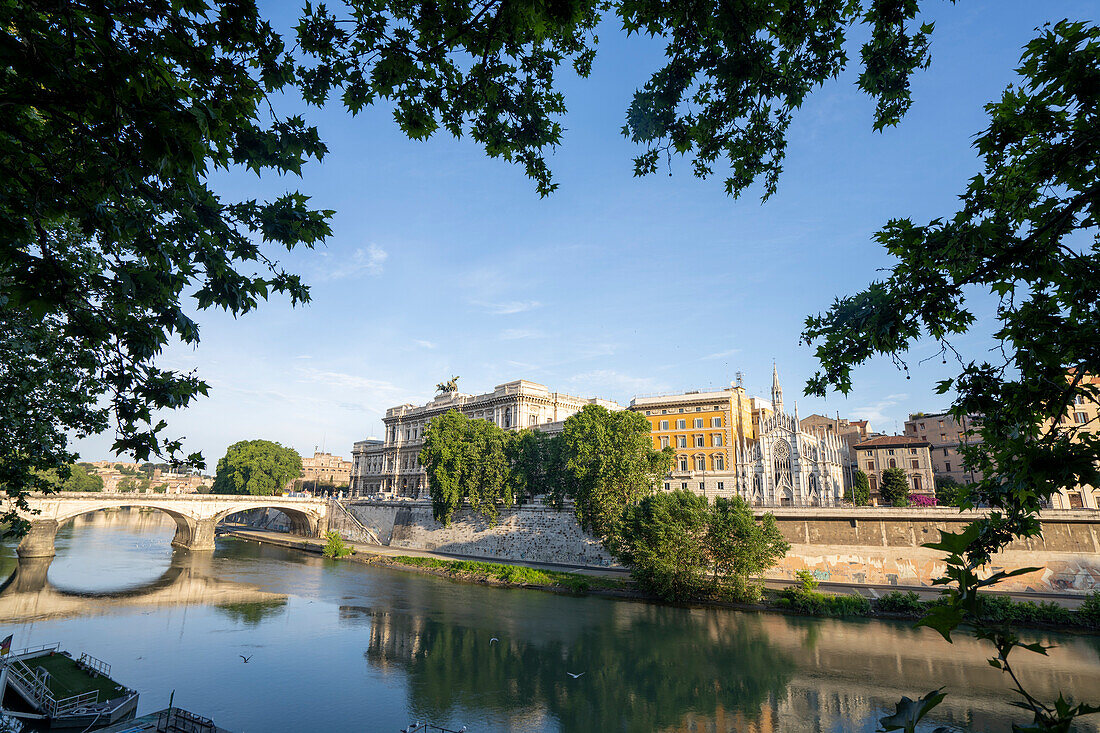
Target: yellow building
{"type": "Point", "coordinates": [703, 428]}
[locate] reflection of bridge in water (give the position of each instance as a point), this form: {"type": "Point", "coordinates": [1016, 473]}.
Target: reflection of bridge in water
{"type": "Point", "coordinates": [28, 594]}
{"type": "Point", "coordinates": [196, 515]}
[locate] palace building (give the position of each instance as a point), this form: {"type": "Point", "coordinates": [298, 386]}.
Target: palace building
{"type": "Point", "coordinates": [391, 467]}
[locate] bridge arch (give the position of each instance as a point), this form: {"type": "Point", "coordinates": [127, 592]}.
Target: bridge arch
{"type": "Point", "coordinates": [195, 515]}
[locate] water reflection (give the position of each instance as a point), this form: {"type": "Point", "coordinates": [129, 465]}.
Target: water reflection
{"type": "Point", "coordinates": [637, 676]}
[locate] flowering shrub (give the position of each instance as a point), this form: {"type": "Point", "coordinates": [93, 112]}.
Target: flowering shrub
{"type": "Point", "coordinates": [921, 500]}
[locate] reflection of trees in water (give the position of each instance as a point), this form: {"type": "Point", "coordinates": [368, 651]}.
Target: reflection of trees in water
{"type": "Point", "coordinates": [252, 614]}
{"type": "Point", "coordinates": [641, 672]}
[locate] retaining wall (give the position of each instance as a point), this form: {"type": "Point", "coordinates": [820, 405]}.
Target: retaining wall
{"type": "Point", "coordinates": [531, 533]}
{"type": "Point", "coordinates": [878, 546]}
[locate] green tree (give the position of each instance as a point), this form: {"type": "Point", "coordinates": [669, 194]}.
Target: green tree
{"type": "Point", "coordinates": [126, 486]}
{"type": "Point", "coordinates": [859, 493]}
{"type": "Point", "coordinates": [81, 480]}
{"type": "Point", "coordinates": [949, 492]}
{"type": "Point", "coordinates": [611, 463]}
{"type": "Point", "coordinates": [257, 467]}
{"type": "Point", "coordinates": [664, 541]}
{"type": "Point", "coordinates": [894, 487]}
{"type": "Point", "coordinates": [467, 460]}
{"type": "Point", "coordinates": [1026, 232]}
{"type": "Point", "coordinates": [738, 547]}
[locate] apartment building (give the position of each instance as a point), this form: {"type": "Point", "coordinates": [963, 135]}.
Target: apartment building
{"type": "Point", "coordinates": [875, 455]}
{"type": "Point", "coordinates": [945, 435]}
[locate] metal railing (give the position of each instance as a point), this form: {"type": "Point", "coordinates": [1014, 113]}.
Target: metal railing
{"type": "Point", "coordinates": [95, 665]}
{"type": "Point", "coordinates": [175, 720]}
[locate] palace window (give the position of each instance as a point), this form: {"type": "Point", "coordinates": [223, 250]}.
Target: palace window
{"type": "Point", "coordinates": [698, 422]}
{"type": "Point", "coordinates": [948, 467]}
{"type": "Point", "coordinates": [664, 441]}
{"type": "Point", "coordinates": [945, 451]}
{"type": "Point", "coordinates": [507, 417]}
{"type": "Point", "coordinates": [683, 463]}
{"type": "Point", "coordinates": [890, 452]}
{"type": "Point", "coordinates": [668, 486]}
{"type": "Point", "coordinates": [684, 485]}
{"type": "Point", "coordinates": [716, 440]}
{"type": "Point", "coordinates": [870, 465]}
{"type": "Point", "coordinates": [681, 441]}
{"type": "Point", "coordinates": [533, 420]}
{"type": "Point", "coordinates": [719, 463]}
{"type": "Point", "coordinates": [700, 463]}
{"type": "Point", "coordinates": [664, 425]}
{"type": "Point", "coordinates": [698, 409]}
{"type": "Point", "coordinates": [916, 482]}
{"type": "Point", "coordinates": [703, 487]}
{"type": "Point", "coordinates": [914, 463]}
{"type": "Point", "coordinates": [681, 424]}
{"type": "Point", "coordinates": [913, 451]}
{"type": "Point", "coordinates": [720, 487]}
{"type": "Point", "coordinates": [1081, 417]}
{"type": "Point", "coordinates": [893, 463]}
{"type": "Point", "coordinates": [698, 441]}
{"type": "Point", "coordinates": [716, 422]}
{"type": "Point", "coordinates": [647, 412]}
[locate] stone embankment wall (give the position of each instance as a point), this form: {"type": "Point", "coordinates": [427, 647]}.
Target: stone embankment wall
{"type": "Point", "coordinates": [875, 546]}
{"type": "Point", "coordinates": [531, 533]}
{"type": "Point", "coordinates": [883, 547]}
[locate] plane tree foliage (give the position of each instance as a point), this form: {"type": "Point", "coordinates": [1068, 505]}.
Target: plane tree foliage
{"type": "Point", "coordinates": [256, 467]}
{"type": "Point", "coordinates": [1025, 233]}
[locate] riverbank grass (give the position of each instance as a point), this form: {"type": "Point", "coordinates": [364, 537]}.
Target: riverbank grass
{"type": "Point", "coordinates": [511, 574]}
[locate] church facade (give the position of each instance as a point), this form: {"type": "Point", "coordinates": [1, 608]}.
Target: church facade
{"type": "Point", "coordinates": [786, 465]}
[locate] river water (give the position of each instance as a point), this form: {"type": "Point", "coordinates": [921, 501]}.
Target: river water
{"type": "Point", "coordinates": [341, 646]}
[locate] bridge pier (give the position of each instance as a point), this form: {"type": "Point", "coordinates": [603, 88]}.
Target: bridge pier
{"type": "Point", "coordinates": [194, 534]}
{"type": "Point", "coordinates": [39, 541]}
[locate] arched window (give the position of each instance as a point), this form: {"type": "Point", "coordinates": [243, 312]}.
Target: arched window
{"type": "Point", "coordinates": [683, 461]}
{"type": "Point", "coordinates": [700, 463]}
{"type": "Point", "coordinates": [813, 484]}
{"type": "Point", "coordinates": [893, 463]}
{"type": "Point", "coordinates": [507, 417]}
{"type": "Point", "coordinates": [916, 482]}
{"type": "Point", "coordinates": [719, 463]}
{"type": "Point", "coordinates": [782, 463]}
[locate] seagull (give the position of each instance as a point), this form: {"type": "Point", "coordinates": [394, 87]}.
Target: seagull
{"type": "Point", "coordinates": [574, 676]}
{"type": "Point", "coordinates": [492, 640]}
{"type": "Point", "coordinates": [246, 658]}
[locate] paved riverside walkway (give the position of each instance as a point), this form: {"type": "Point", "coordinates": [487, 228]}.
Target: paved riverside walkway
{"type": "Point", "coordinates": [870, 591]}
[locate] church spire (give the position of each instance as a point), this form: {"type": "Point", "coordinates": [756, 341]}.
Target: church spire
{"type": "Point", "coordinates": [777, 391]}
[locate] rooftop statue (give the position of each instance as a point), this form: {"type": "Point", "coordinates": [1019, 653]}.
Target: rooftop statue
{"type": "Point", "coordinates": [449, 386]}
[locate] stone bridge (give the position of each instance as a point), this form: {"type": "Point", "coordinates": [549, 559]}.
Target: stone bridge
{"type": "Point", "coordinates": [195, 515]}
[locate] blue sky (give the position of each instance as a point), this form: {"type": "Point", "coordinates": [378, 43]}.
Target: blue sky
{"type": "Point", "coordinates": [444, 262]}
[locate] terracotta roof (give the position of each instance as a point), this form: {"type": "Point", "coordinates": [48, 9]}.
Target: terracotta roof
{"type": "Point", "coordinates": [892, 441]}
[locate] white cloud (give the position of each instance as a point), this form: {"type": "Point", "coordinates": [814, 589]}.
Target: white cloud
{"type": "Point", "coordinates": [513, 334]}
{"type": "Point", "coordinates": [877, 412]}
{"type": "Point", "coordinates": [611, 381]}
{"type": "Point", "coordinates": [721, 354]}
{"type": "Point", "coordinates": [304, 356]}
{"type": "Point", "coordinates": [424, 344]}
{"type": "Point", "coordinates": [367, 260]}
{"type": "Point", "coordinates": [506, 308]}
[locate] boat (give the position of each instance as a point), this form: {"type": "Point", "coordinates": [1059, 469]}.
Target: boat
{"type": "Point", "coordinates": [70, 694]}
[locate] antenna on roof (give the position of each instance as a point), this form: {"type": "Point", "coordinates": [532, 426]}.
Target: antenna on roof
{"type": "Point", "coordinates": [740, 378]}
